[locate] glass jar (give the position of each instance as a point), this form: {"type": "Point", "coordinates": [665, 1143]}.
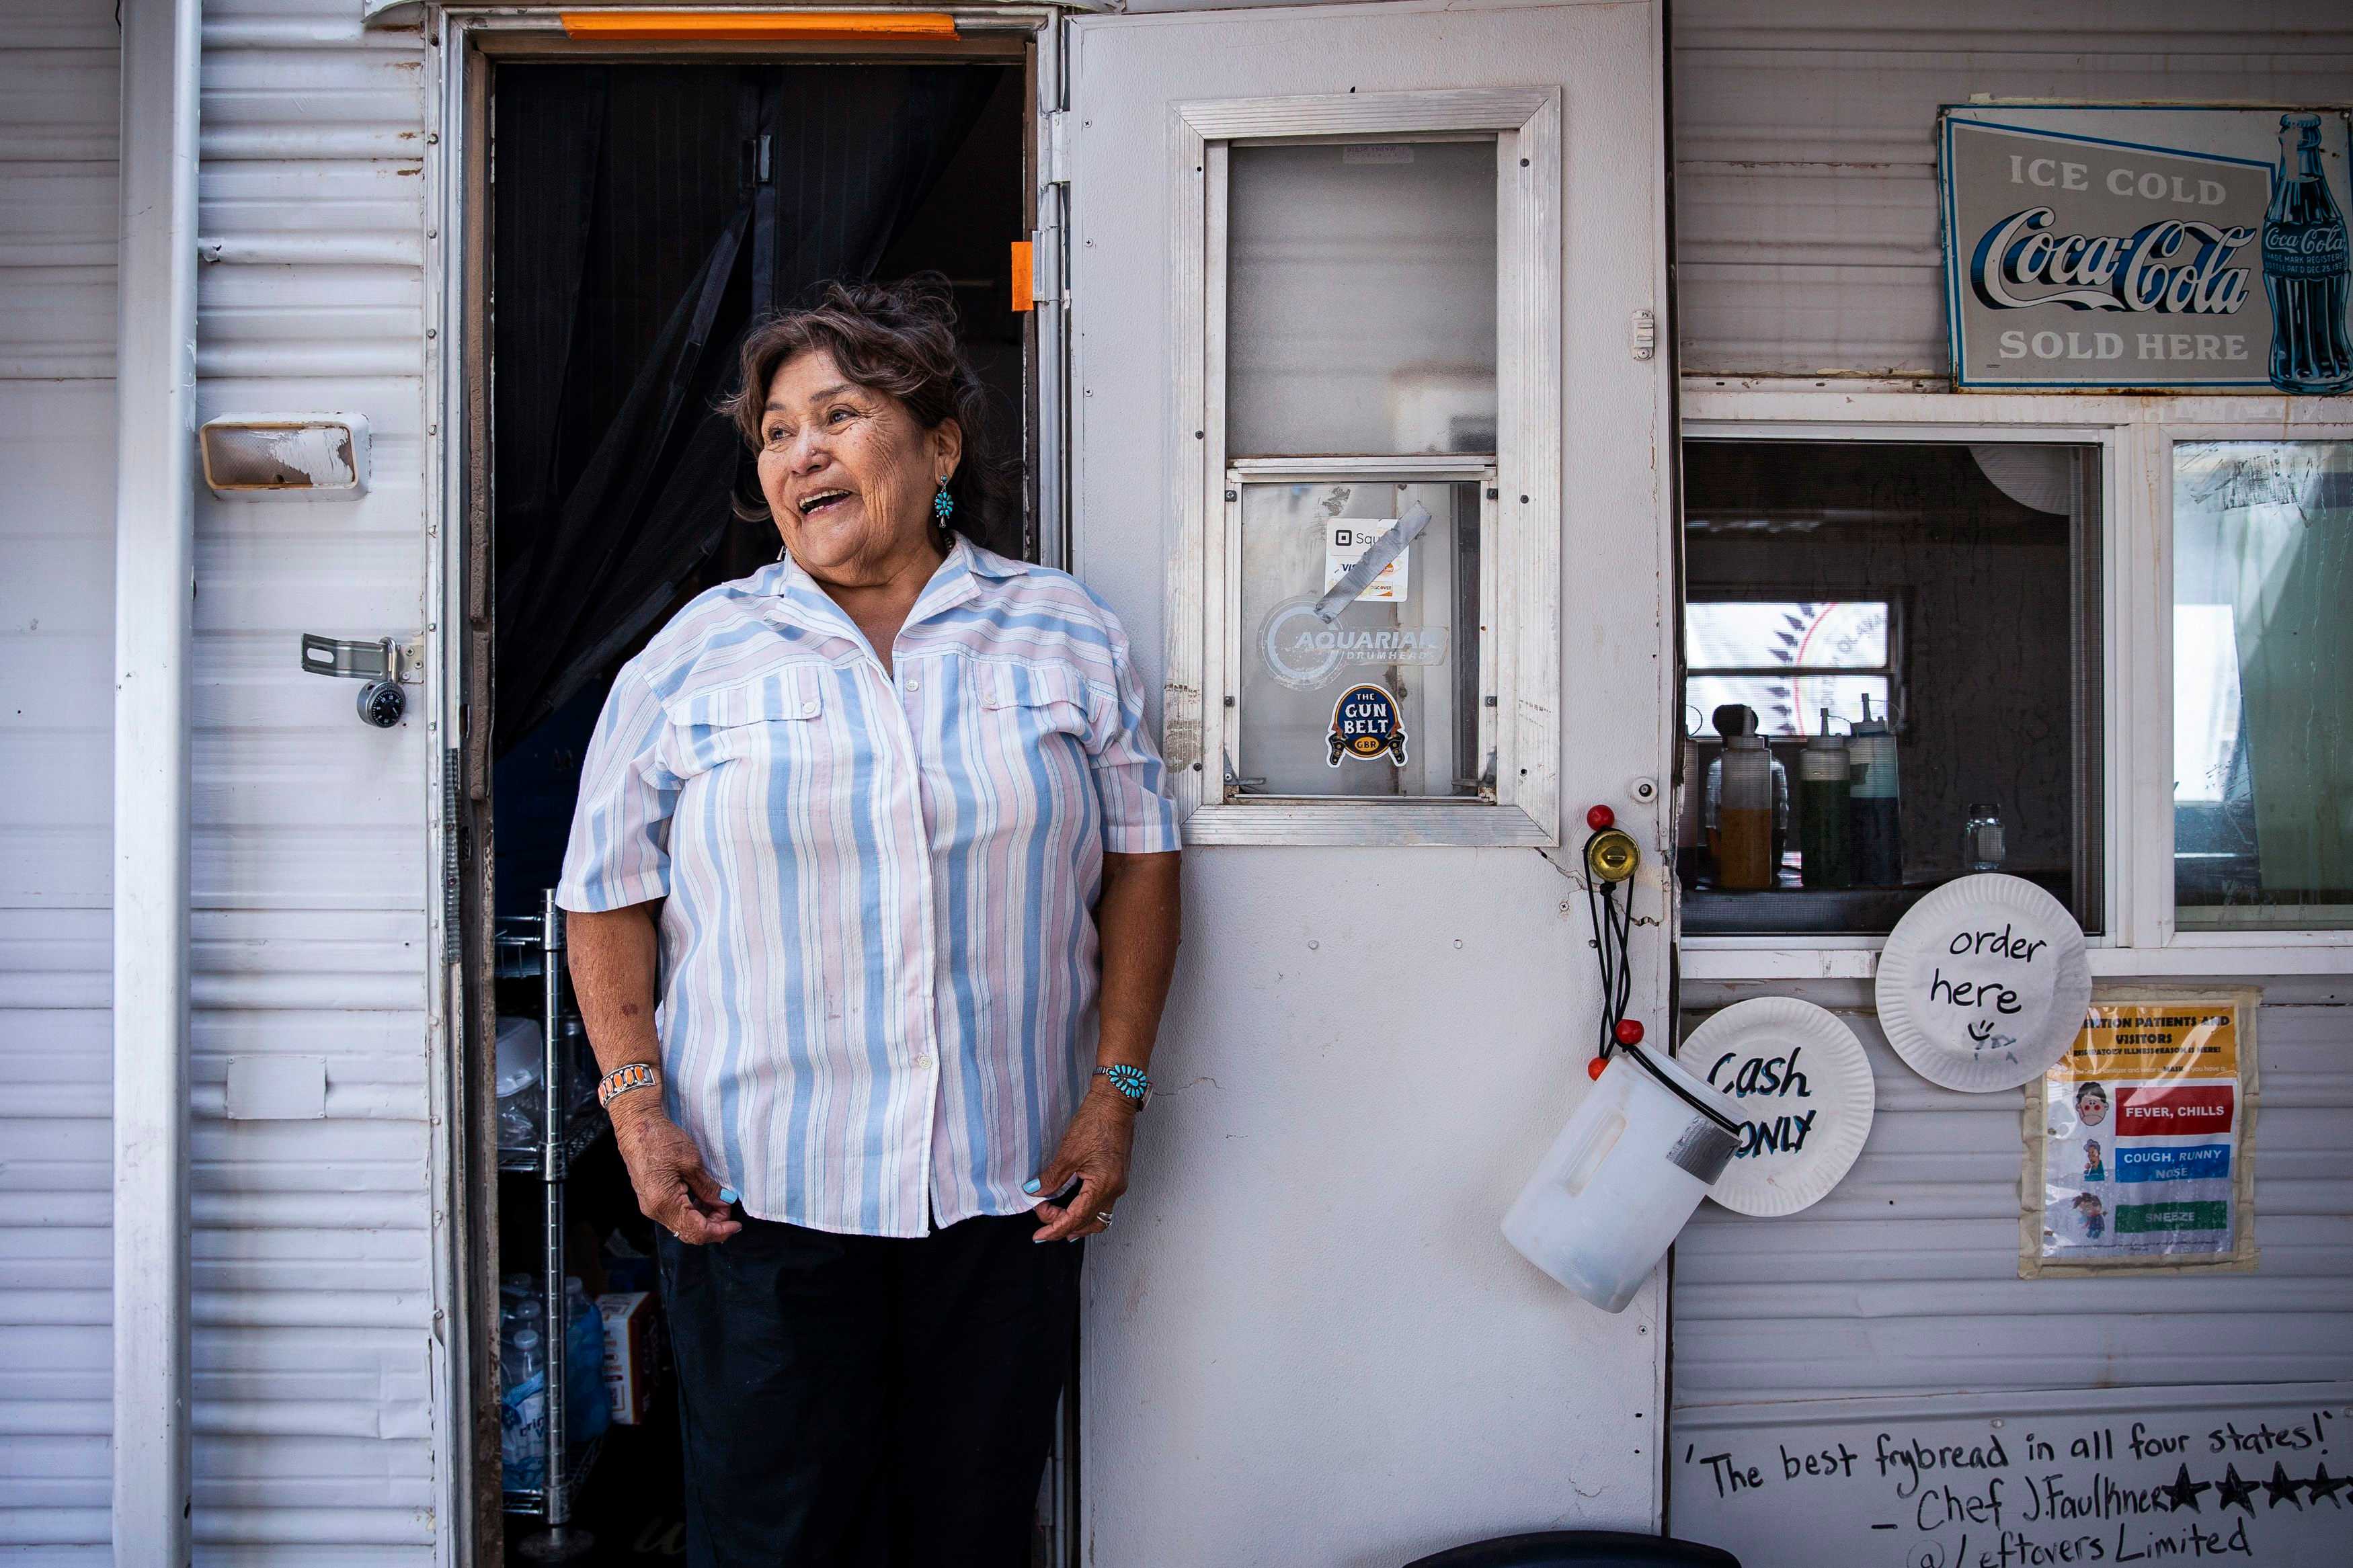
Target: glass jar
{"type": "Point", "coordinates": [1981, 843]}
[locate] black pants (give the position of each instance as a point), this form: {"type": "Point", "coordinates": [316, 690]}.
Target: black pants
{"type": "Point", "coordinates": [867, 1402]}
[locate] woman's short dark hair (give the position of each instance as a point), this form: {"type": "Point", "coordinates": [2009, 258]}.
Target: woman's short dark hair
{"type": "Point", "coordinates": [897, 339]}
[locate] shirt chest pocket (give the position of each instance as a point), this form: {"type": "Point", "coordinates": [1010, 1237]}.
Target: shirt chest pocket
{"type": "Point", "coordinates": [780, 715]}
{"type": "Point", "coordinates": [1041, 701]}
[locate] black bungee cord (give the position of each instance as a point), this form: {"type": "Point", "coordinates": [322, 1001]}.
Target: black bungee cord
{"type": "Point", "coordinates": [1613, 930]}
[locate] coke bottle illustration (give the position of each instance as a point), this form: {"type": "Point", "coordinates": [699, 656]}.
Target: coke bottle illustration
{"type": "Point", "coordinates": [2305, 268]}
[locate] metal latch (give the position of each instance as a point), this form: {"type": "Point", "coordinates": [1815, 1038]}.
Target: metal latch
{"type": "Point", "coordinates": [386, 664]}
{"type": "Point", "coordinates": [388, 658]}
{"type": "Point", "coordinates": [1236, 784]}
{"type": "Point", "coordinates": [1645, 335]}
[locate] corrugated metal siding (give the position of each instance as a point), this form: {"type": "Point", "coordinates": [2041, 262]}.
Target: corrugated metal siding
{"type": "Point", "coordinates": [1905, 1279]}
{"type": "Point", "coordinates": [1804, 161]}
{"type": "Point", "coordinates": [312, 1279]}
{"type": "Point", "coordinates": [59, 70]}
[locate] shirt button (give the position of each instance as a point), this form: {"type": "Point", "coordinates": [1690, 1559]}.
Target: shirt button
{"type": "Point", "coordinates": [809, 709]}
{"type": "Point", "coordinates": [914, 684]}
{"type": "Point", "coordinates": [923, 1064]}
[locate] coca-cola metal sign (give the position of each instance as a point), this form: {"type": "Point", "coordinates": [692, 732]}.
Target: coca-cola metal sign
{"type": "Point", "coordinates": [2133, 248]}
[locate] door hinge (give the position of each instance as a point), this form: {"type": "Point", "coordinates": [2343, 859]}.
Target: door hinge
{"type": "Point", "coordinates": [1056, 147]}
{"type": "Point", "coordinates": [1049, 272]}
{"type": "Point", "coordinates": [1046, 274]}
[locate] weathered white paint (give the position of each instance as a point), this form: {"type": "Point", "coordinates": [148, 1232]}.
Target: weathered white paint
{"type": "Point", "coordinates": [155, 547]}
{"type": "Point", "coordinates": [1307, 1339]}
{"type": "Point", "coordinates": [60, 67]}
{"type": "Point", "coordinates": [1805, 160]}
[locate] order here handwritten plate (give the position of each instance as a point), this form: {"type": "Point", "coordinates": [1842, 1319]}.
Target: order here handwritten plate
{"type": "Point", "coordinates": [1983, 984]}
{"type": "Point", "coordinates": [1804, 1089]}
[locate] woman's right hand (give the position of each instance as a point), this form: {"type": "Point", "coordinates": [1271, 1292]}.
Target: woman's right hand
{"type": "Point", "coordinates": [674, 1190]}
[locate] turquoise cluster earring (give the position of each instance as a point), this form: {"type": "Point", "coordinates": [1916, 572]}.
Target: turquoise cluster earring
{"type": "Point", "coordinates": [943, 504]}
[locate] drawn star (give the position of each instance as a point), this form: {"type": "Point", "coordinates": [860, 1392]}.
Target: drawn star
{"type": "Point", "coordinates": [2234, 1492]}
{"type": "Point", "coordinates": [2281, 1489]}
{"type": "Point", "coordinates": [2324, 1485]}
{"type": "Point", "coordinates": [2184, 1492]}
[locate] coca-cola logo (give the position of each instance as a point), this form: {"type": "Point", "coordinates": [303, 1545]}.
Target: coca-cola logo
{"type": "Point", "coordinates": [2317, 240]}
{"type": "Point", "coordinates": [2174, 265]}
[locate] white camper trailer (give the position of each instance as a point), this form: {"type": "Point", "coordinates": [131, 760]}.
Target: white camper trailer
{"type": "Point", "coordinates": [1647, 309]}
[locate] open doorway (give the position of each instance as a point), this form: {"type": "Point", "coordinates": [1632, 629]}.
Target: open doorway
{"type": "Point", "coordinates": [642, 217]}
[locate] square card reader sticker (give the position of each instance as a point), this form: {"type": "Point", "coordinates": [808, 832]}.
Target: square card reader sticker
{"type": "Point", "coordinates": [1345, 539]}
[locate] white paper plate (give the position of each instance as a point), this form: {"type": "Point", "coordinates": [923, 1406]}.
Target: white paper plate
{"type": "Point", "coordinates": [1809, 1105]}
{"type": "Point", "coordinates": [1983, 984]}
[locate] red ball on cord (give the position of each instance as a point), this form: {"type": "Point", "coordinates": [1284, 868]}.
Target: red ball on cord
{"type": "Point", "coordinates": [1600, 817]}
{"type": "Point", "coordinates": [1630, 1032]}
{"type": "Point", "coordinates": [1595, 1067]}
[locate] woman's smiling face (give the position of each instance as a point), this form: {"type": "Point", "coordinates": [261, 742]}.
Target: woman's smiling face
{"type": "Point", "coordinates": [848, 472]}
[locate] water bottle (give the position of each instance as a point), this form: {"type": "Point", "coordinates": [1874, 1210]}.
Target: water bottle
{"type": "Point", "coordinates": [587, 1409]}
{"type": "Point", "coordinates": [2307, 271]}
{"type": "Point", "coordinates": [522, 1107]}
{"type": "Point", "coordinates": [523, 1412]}
{"type": "Point", "coordinates": [518, 1306]}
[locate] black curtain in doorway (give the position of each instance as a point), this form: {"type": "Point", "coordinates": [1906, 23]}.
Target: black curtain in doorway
{"type": "Point", "coordinates": [645, 218]}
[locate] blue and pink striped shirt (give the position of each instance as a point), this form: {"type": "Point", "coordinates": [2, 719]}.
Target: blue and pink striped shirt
{"type": "Point", "coordinates": [877, 940]}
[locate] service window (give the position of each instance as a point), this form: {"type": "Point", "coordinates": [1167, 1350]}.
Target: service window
{"type": "Point", "coordinates": [1904, 639]}
{"type": "Point", "coordinates": [2262, 684]}
{"type": "Point", "coordinates": [1378, 530]}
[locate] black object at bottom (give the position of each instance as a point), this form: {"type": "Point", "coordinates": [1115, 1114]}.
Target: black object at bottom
{"type": "Point", "coordinates": [1581, 1549]}
{"type": "Point", "coordinates": [867, 1402]}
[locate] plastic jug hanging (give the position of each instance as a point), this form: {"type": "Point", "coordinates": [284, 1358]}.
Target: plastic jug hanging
{"type": "Point", "coordinates": [1623, 1176]}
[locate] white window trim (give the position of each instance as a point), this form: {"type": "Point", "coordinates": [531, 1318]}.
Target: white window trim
{"type": "Point", "coordinates": [2208, 426]}
{"type": "Point", "coordinates": [1523, 631]}
{"type": "Point", "coordinates": [2136, 435]}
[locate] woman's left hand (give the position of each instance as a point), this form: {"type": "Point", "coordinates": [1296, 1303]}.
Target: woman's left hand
{"type": "Point", "coordinates": [1093, 1153]}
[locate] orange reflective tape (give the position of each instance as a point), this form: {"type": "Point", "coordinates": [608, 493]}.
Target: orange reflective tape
{"type": "Point", "coordinates": [754, 27]}
{"type": "Point", "coordinates": [1023, 280]}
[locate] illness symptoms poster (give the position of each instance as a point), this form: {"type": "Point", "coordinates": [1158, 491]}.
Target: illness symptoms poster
{"type": "Point", "coordinates": [2138, 1138]}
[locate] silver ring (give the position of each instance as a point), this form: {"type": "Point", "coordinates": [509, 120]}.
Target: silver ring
{"type": "Point", "coordinates": [1104, 1216]}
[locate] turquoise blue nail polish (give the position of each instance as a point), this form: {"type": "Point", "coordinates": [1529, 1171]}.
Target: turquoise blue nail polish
{"type": "Point", "coordinates": [726, 1194]}
{"type": "Point", "coordinates": [1030, 1185]}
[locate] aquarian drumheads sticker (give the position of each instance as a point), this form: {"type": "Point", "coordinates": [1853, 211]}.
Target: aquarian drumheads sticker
{"type": "Point", "coordinates": [1303, 649]}
{"type": "Point", "coordinates": [1364, 724]}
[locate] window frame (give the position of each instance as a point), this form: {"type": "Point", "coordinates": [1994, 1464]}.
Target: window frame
{"type": "Point", "coordinates": [1899, 708]}
{"type": "Point", "coordinates": [1521, 481]}
{"type": "Point", "coordinates": [2164, 914]}
{"type": "Point", "coordinates": [2136, 596]}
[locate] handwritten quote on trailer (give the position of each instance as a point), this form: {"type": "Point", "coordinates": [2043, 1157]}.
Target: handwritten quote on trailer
{"type": "Point", "coordinates": [2027, 1491]}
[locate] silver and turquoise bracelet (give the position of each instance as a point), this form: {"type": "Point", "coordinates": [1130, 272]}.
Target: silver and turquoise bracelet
{"type": "Point", "coordinates": [1131, 1082]}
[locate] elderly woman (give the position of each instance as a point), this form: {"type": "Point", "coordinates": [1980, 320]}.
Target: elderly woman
{"type": "Point", "coordinates": [873, 884]}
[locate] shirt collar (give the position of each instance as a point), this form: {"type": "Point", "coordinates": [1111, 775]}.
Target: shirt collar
{"type": "Point", "coordinates": [786, 584]}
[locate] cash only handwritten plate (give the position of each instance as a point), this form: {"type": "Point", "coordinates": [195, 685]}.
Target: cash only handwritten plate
{"type": "Point", "coordinates": [1804, 1089]}
{"type": "Point", "coordinates": [1983, 984]}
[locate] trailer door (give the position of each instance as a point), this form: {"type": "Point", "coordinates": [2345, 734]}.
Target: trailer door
{"type": "Point", "coordinates": [1380, 280]}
